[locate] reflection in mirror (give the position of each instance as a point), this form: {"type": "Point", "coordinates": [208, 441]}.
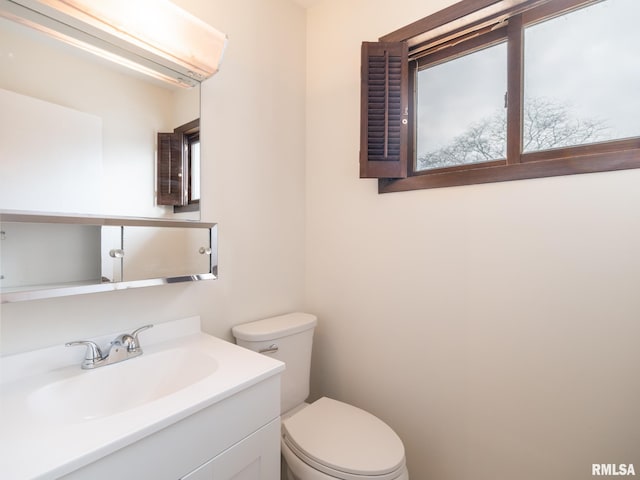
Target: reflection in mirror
{"type": "Point", "coordinates": [36, 256]}
{"type": "Point", "coordinates": [111, 253]}
{"type": "Point", "coordinates": [179, 152]}
{"type": "Point", "coordinates": [44, 256]}
{"type": "Point", "coordinates": [78, 133]}
{"type": "Point", "coordinates": [151, 252]}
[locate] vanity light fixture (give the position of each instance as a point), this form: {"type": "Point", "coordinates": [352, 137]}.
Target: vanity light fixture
{"type": "Point", "coordinates": [153, 36]}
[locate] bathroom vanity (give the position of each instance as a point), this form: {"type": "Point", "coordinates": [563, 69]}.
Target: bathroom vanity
{"type": "Point", "coordinates": [191, 407]}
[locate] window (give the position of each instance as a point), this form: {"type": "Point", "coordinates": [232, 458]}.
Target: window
{"type": "Point", "coordinates": [593, 94]}
{"type": "Point", "coordinates": [178, 168]}
{"type": "Point", "coordinates": [488, 91]}
{"type": "Point", "coordinates": [454, 99]}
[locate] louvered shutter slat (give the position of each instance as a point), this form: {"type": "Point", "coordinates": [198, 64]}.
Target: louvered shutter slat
{"type": "Point", "coordinates": [383, 143]}
{"type": "Point", "coordinates": [171, 186]}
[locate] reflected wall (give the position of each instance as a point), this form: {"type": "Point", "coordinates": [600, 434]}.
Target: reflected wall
{"type": "Point", "coordinates": [63, 97]}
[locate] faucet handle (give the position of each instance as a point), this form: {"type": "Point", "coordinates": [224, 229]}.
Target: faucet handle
{"type": "Point", "coordinates": [126, 341]}
{"type": "Point", "coordinates": [93, 354]}
{"type": "Point", "coordinates": [134, 334]}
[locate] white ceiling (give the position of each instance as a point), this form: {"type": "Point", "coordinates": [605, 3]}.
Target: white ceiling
{"type": "Point", "coordinates": [307, 3]}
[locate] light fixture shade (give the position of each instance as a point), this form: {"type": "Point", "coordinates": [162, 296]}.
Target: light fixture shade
{"type": "Point", "coordinates": [156, 34]}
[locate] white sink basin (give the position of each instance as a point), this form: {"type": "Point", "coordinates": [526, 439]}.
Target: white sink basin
{"type": "Point", "coordinates": [72, 417]}
{"type": "Point", "coordinates": [112, 389]}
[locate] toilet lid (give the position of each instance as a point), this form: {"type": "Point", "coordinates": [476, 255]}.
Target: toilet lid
{"type": "Point", "coordinates": [344, 438]}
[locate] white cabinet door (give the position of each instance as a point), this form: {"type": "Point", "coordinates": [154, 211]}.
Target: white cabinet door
{"type": "Point", "coordinates": [257, 457]}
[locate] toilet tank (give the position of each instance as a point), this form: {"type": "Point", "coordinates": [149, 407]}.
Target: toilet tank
{"type": "Point", "coordinates": [287, 338]}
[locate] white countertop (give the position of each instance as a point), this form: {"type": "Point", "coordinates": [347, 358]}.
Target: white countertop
{"type": "Point", "coordinates": [36, 447]}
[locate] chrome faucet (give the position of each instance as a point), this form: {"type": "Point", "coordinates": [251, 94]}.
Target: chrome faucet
{"type": "Point", "coordinates": [123, 347]}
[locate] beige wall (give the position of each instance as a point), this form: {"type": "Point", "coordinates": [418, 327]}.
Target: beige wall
{"type": "Point", "coordinates": [253, 182]}
{"type": "Point", "coordinates": [495, 327]}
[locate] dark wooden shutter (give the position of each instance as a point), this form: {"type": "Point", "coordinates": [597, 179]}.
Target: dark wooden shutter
{"type": "Point", "coordinates": [171, 184]}
{"type": "Point", "coordinates": [384, 110]}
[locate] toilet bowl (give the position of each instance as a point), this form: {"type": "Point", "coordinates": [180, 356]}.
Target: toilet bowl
{"type": "Point", "coordinates": [326, 439]}
{"type": "Point", "coordinates": [331, 439]}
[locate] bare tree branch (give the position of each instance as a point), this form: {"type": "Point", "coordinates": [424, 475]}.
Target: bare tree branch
{"type": "Point", "coordinates": [546, 125]}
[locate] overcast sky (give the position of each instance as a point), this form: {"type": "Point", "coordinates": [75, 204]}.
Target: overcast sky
{"type": "Point", "coordinates": [588, 60]}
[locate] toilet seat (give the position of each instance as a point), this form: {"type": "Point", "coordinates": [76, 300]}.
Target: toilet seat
{"type": "Point", "coordinates": [344, 441]}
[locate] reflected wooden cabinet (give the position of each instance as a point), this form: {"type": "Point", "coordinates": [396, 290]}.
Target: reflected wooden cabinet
{"type": "Point", "coordinates": [44, 256]}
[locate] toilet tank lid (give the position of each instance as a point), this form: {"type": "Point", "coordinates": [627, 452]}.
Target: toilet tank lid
{"type": "Point", "coordinates": [275, 327]}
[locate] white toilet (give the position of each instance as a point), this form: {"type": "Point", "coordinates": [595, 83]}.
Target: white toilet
{"type": "Point", "coordinates": [326, 439]}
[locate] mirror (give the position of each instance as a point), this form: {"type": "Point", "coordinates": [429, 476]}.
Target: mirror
{"type": "Point", "coordinates": [146, 256]}
{"type": "Point", "coordinates": [79, 133]}
{"type": "Point", "coordinates": [37, 254]}
{"type": "Point", "coordinates": [87, 150]}
{"type": "Point", "coordinates": [44, 256]}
